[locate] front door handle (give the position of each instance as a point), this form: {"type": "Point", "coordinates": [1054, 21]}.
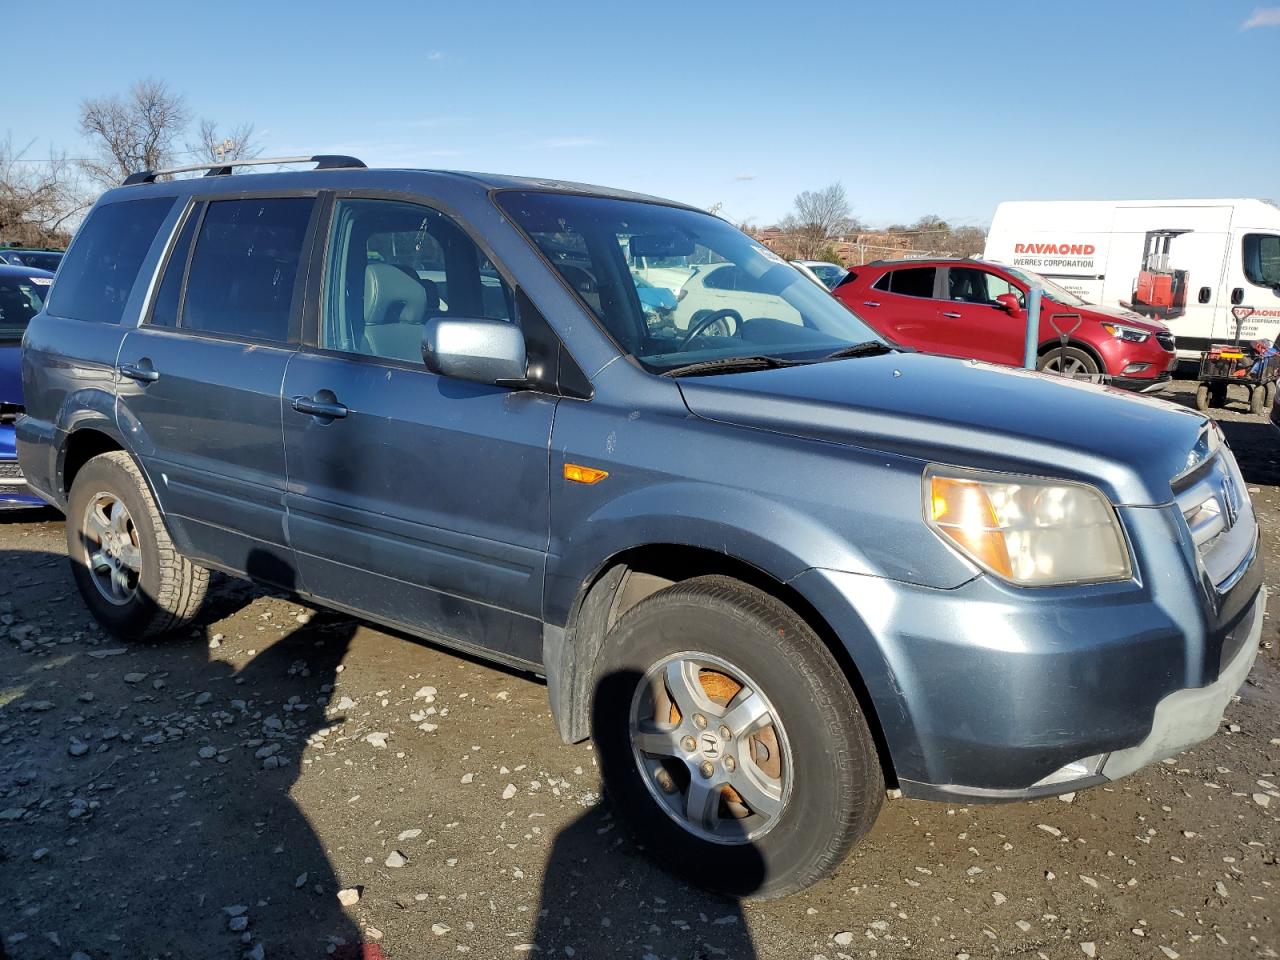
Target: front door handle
{"type": "Point", "coordinates": [142, 371]}
{"type": "Point", "coordinates": [951, 315]}
{"type": "Point", "coordinates": [320, 406]}
{"type": "Point", "coordinates": [870, 303]}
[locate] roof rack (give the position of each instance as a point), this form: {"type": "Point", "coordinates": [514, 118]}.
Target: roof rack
{"type": "Point", "coordinates": [223, 168]}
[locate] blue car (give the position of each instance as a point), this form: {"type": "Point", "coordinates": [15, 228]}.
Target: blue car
{"type": "Point", "coordinates": [23, 291]}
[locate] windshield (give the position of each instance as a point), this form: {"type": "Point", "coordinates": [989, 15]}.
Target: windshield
{"type": "Point", "coordinates": [1051, 289]}
{"type": "Point", "coordinates": [674, 287]}
{"type": "Point", "coordinates": [828, 273]}
{"type": "Point", "coordinates": [21, 298]}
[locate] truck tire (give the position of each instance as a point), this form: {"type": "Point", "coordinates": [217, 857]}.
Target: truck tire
{"type": "Point", "coordinates": [1202, 397]}
{"type": "Point", "coordinates": [131, 576]}
{"type": "Point", "coordinates": [1257, 399]}
{"type": "Point", "coordinates": [731, 741]}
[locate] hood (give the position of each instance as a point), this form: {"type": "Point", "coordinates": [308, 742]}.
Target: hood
{"type": "Point", "coordinates": [966, 413]}
{"type": "Point", "coordinates": [10, 373]}
{"type": "Point", "coordinates": [1121, 315]}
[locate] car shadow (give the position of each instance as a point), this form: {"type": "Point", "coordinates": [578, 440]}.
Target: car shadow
{"type": "Point", "coordinates": [158, 776]}
{"type": "Point", "coordinates": [597, 875]}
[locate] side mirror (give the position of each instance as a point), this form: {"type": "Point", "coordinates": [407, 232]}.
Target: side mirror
{"type": "Point", "coordinates": [471, 348]}
{"type": "Point", "coordinates": [1009, 304]}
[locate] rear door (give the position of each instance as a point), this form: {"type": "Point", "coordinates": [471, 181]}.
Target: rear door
{"type": "Point", "coordinates": [904, 304]}
{"type": "Point", "coordinates": [200, 379]}
{"type": "Point", "coordinates": [413, 498]}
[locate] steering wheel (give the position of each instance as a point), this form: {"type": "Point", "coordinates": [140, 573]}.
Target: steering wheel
{"type": "Point", "coordinates": [711, 318]}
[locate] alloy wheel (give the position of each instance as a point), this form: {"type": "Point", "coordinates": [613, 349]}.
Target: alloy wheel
{"type": "Point", "coordinates": [112, 553]}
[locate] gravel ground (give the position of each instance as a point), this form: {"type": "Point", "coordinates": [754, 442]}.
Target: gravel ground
{"type": "Point", "coordinates": [287, 782]}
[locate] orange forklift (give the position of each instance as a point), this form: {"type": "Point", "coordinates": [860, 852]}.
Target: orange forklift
{"type": "Point", "coordinates": [1160, 290]}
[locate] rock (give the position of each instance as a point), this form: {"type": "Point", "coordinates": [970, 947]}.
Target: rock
{"type": "Point", "coordinates": [134, 677]}
{"type": "Point", "coordinates": [439, 929]}
{"type": "Point", "coordinates": [37, 706]}
{"type": "Point", "coordinates": [396, 860]}
{"type": "Point", "coordinates": [843, 939]}
{"type": "Point", "coordinates": [203, 698]}
{"type": "Point", "coordinates": [345, 703]}
{"type": "Point", "coordinates": [378, 740]}
{"type": "Point", "coordinates": [998, 897]}
{"type": "Point", "coordinates": [208, 753]}
{"type": "Point", "coordinates": [425, 693]}
{"type": "Point", "coordinates": [1169, 952]}
{"type": "Point", "coordinates": [238, 924]}
{"type": "Point", "coordinates": [1052, 831]}
{"type": "Point", "coordinates": [468, 777]}
{"type": "Point", "coordinates": [257, 953]}
{"type": "Point", "coordinates": [267, 751]}
{"type": "Point", "coordinates": [38, 855]}
{"type": "Point", "coordinates": [300, 881]}
{"type": "Point", "coordinates": [239, 910]}
{"type": "Point", "coordinates": [1089, 949]}
{"type": "Point", "coordinates": [1089, 881]}
{"type": "Point", "coordinates": [409, 834]}
{"type": "Point", "coordinates": [12, 813]}
{"type": "Point", "coordinates": [509, 791]}
{"type": "Point", "coordinates": [77, 747]}
{"type": "Point", "coordinates": [1262, 800]}
{"type": "Point", "coordinates": [349, 897]}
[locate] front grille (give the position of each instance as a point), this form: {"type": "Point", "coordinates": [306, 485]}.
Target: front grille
{"type": "Point", "coordinates": [1217, 510]}
{"type": "Point", "coordinates": [1165, 340]}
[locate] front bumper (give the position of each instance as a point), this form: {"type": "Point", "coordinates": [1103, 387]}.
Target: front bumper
{"type": "Point", "coordinates": [991, 693]}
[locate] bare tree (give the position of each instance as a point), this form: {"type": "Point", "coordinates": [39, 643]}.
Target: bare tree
{"type": "Point", "coordinates": [237, 144]}
{"type": "Point", "coordinates": [131, 133]}
{"type": "Point", "coordinates": [818, 219]}
{"type": "Point", "coordinates": [38, 198]}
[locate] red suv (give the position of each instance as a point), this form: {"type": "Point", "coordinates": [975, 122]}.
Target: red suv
{"type": "Point", "coordinates": [976, 309]}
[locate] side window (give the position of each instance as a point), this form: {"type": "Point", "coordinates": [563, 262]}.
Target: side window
{"type": "Point", "coordinates": [998, 286]}
{"type": "Point", "coordinates": [164, 310]}
{"type": "Point", "coordinates": [968, 285]}
{"type": "Point", "coordinates": [102, 266]}
{"type": "Point", "coordinates": [722, 278]}
{"type": "Point", "coordinates": [883, 282]}
{"type": "Point", "coordinates": [913, 281]}
{"type": "Point", "coordinates": [393, 266]}
{"type": "Point", "coordinates": [244, 266]}
{"type": "Point", "coordinates": [1262, 259]}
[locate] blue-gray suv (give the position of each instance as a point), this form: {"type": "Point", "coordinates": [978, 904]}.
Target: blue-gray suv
{"type": "Point", "coordinates": [772, 564]}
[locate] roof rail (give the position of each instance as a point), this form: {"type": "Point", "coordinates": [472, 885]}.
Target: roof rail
{"type": "Point", "coordinates": [223, 168]}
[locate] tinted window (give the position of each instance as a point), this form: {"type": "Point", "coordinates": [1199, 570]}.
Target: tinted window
{"type": "Point", "coordinates": [42, 261]}
{"type": "Point", "coordinates": [1262, 259]}
{"type": "Point", "coordinates": [21, 298]}
{"type": "Point", "coordinates": [102, 266]}
{"type": "Point", "coordinates": [164, 312]}
{"type": "Point", "coordinates": [244, 267]}
{"type": "Point", "coordinates": [967, 285]}
{"type": "Point", "coordinates": [392, 267]}
{"type": "Point", "coordinates": [912, 281]}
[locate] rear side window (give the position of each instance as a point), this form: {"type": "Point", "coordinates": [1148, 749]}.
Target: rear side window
{"type": "Point", "coordinates": [908, 281]}
{"type": "Point", "coordinates": [102, 266]}
{"type": "Point", "coordinates": [164, 312]}
{"type": "Point", "coordinates": [244, 267]}
{"type": "Point", "coordinates": [1262, 259]}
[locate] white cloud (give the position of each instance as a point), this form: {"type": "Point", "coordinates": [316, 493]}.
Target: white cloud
{"type": "Point", "coordinates": [435, 55]}
{"type": "Point", "coordinates": [1262, 17]}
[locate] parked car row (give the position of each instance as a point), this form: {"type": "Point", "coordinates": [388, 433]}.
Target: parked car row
{"type": "Point", "coordinates": [28, 257]}
{"type": "Point", "coordinates": [770, 561]}
{"type": "Point", "coordinates": [23, 291]}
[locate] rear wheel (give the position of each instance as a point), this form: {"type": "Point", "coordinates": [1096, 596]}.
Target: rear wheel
{"type": "Point", "coordinates": [1072, 362]}
{"type": "Point", "coordinates": [1202, 397]}
{"type": "Point", "coordinates": [731, 741]}
{"type": "Point", "coordinates": [1257, 399]}
{"type": "Point", "coordinates": [131, 576]}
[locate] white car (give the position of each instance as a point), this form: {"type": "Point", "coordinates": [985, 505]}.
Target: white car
{"type": "Point", "coordinates": [821, 271]}
{"type": "Point", "coordinates": [719, 286]}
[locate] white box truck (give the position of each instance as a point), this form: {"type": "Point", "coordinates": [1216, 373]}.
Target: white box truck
{"type": "Point", "coordinates": [1187, 262]}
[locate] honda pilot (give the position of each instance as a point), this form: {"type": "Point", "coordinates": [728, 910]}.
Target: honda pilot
{"type": "Point", "coordinates": [773, 565]}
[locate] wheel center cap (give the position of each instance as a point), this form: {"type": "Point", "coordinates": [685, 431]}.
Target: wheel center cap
{"type": "Point", "coordinates": [710, 746]}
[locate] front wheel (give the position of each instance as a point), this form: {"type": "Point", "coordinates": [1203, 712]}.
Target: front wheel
{"type": "Point", "coordinates": [1202, 397]}
{"type": "Point", "coordinates": [731, 741]}
{"type": "Point", "coordinates": [131, 576]}
{"type": "Point", "coordinates": [1257, 399]}
{"type": "Point", "coordinates": [1071, 362]}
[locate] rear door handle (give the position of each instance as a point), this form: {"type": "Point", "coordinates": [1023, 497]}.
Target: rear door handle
{"type": "Point", "coordinates": [142, 371]}
{"type": "Point", "coordinates": [330, 409]}
{"type": "Point", "coordinates": [950, 315]}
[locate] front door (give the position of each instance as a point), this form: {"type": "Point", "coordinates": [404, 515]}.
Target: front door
{"type": "Point", "coordinates": [413, 498]}
{"type": "Point", "coordinates": [200, 380]}
{"type": "Point", "coordinates": [979, 327]}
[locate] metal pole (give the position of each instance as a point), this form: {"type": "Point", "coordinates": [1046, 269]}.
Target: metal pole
{"type": "Point", "coordinates": [1034, 296]}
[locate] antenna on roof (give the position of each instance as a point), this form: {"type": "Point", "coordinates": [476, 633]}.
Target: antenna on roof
{"type": "Point", "coordinates": [223, 168]}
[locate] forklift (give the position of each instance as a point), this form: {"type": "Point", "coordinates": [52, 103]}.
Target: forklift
{"type": "Point", "coordinates": [1160, 291]}
{"type": "Point", "coordinates": [1254, 366]}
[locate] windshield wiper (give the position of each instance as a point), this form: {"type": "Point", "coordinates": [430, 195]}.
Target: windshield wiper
{"type": "Point", "coordinates": [728, 365]}
{"type": "Point", "coordinates": [867, 348]}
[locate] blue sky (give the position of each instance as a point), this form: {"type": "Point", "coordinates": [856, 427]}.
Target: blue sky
{"type": "Point", "coordinates": [917, 108]}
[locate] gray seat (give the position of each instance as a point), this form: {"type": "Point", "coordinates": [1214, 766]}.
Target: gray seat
{"type": "Point", "coordinates": [394, 311]}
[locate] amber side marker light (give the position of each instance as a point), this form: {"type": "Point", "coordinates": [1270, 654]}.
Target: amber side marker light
{"type": "Point", "coordinates": [962, 511]}
{"type": "Point", "coordinates": [580, 474]}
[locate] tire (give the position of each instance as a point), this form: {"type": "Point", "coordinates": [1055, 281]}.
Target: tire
{"type": "Point", "coordinates": [1202, 397]}
{"type": "Point", "coordinates": [140, 586]}
{"type": "Point", "coordinates": [814, 753]}
{"type": "Point", "coordinates": [1078, 364]}
{"type": "Point", "coordinates": [1270, 398]}
{"type": "Point", "coordinates": [1257, 399]}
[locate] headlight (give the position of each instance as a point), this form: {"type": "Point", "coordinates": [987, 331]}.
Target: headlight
{"type": "Point", "coordinates": [1030, 531]}
{"type": "Point", "coordinates": [1122, 332]}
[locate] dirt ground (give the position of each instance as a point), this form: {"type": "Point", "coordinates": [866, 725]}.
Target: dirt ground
{"type": "Point", "coordinates": [209, 797]}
